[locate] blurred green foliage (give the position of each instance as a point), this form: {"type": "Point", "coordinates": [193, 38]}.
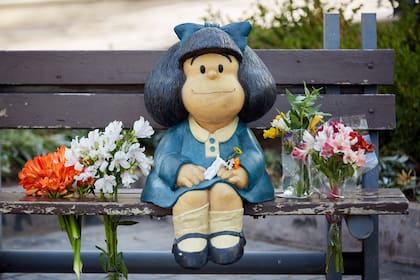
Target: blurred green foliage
{"type": "Point", "coordinates": [295, 26]}
{"type": "Point", "coordinates": [403, 35]}
{"type": "Point", "coordinates": [20, 145]}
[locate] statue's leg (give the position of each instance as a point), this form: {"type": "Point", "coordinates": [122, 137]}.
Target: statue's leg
{"type": "Point", "coordinates": [225, 222]}
{"type": "Point", "coordinates": [190, 220]}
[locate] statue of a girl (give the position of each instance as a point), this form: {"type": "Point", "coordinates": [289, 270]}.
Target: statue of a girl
{"type": "Point", "coordinates": [205, 88]}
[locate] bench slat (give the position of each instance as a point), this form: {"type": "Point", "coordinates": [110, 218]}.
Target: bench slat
{"type": "Point", "coordinates": [91, 110]}
{"type": "Point", "coordinates": [357, 202]}
{"type": "Point", "coordinates": [340, 67]}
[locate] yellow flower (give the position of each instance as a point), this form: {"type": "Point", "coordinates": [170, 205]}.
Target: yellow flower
{"type": "Point", "coordinates": [314, 121]}
{"type": "Point", "coordinates": [237, 150]}
{"type": "Point", "coordinates": [272, 133]}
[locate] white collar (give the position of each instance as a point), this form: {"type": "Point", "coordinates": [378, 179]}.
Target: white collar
{"type": "Point", "coordinates": [222, 135]}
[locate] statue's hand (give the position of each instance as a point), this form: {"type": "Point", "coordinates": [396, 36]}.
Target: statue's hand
{"type": "Point", "coordinates": [190, 175]}
{"type": "Point", "coordinates": [238, 177]}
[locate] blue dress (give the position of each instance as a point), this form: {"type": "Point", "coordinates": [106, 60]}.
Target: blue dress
{"type": "Point", "coordinates": [180, 146]}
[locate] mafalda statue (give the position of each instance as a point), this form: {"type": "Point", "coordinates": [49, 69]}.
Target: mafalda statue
{"type": "Point", "coordinates": [205, 88]}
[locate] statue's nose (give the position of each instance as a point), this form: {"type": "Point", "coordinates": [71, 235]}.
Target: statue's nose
{"type": "Point", "coordinates": [212, 74]}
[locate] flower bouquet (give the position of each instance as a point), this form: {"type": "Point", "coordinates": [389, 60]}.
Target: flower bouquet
{"type": "Point", "coordinates": [100, 162]}
{"type": "Point", "coordinates": [337, 152]}
{"type": "Point", "coordinates": [290, 127]}
{"type": "Point", "coordinates": [110, 159]}
{"type": "Point", "coordinates": [48, 176]}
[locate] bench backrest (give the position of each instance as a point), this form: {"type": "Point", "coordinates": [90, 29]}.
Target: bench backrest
{"type": "Point", "coordinates": [88, 89]}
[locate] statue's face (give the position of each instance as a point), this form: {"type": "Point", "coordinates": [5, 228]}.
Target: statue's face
{"type": "Point", "coordinates": [212, 92]}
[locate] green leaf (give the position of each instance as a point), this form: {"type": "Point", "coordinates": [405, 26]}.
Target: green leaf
{"type": "Point", "coordinates": [102, 261]}
{"type": "Point", "coordinates": [122, 267]}
{"type": "Point", "coordinates": [100, 249]}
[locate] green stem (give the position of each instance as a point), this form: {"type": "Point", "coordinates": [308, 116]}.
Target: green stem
{"type": "Point", "coordinates": [114, 262]}
{"type": "Point", "coordinates": [301, 182]}
{"type": "Point", "coordinates": [335, 249]}
{"type": "Point", "coordinates": [77, 261]}
{"type": "Point", "coordinates": [111, 224]}
{"type": "Point", "coordinates": [72, 225]}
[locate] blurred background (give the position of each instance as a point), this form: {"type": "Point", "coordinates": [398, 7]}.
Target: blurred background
{"type": "Point", "coordinates": [130, 24]}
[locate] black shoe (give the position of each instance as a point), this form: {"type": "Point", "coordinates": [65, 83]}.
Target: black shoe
{"type": "Point", "coordinates": [227, 255]}
{"type": "Point", "coordinates": [192, 260]}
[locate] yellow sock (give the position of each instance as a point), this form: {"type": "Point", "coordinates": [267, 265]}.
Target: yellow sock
{"type": "Point", "coordinates": [194, 221]}
{"type": "Point", "coordinates": [231, 220]}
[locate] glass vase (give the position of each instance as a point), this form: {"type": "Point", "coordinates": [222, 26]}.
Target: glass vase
{"type": "Point", "coordinates": [297, 175]}
{"type": "Point", "coordinates": [333, 188]}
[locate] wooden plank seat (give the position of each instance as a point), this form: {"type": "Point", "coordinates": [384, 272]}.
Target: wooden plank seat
{"type": "Point", "coordinates": [356, 202]}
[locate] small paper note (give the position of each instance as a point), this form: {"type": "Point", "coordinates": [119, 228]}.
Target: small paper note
{"type": "Point", "coordinates": [212, 170]}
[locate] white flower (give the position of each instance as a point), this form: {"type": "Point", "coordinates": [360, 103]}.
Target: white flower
{"type": "Point", "coordinates": [113, 131]}
{"type": "Point", "coordinates": [78, 166]}
{"type": "Point", "coordinates": [229, 164]}
{"type": "Point", "coordinates": [108, 143]}
{"type": "Point", "coordinates": [94, 139]}
{"type": "Point", "coordinates": [89, 172]}
{"type": "Point", "coordinates": [72, 157]}
{"type": "Point", "coordinates": [280, 124]}
{"type": "Point", "coordinates": [83, 146]}
{"type": "Point", "coordinates": [111, 156]}
{"type": "Point", "coordinates": [144, 162]}
{"type": "Point", "coordinates": [135, 150]}
{"type": "Point", "coordinates": [309, 139]}
{"type": "Point", "coordinates": [102, 165]}
{"type": "Point", "coordinates": [120, 160]}
{"type": "Point", "coordinates": [106, 149]}
{"type": "Point", "coordinates": [106, 184]}
{"type": "Point", "coordinates": [127, 179]}
{"type": "Point", "coordinates": [320, 139]}
{"type": "Point", "coordinates": [142, 128]}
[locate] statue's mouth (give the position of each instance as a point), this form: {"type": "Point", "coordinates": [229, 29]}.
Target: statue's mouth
{"type": "Point", "coordinates": [213, 91]}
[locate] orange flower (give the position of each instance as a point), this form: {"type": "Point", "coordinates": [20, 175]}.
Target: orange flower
{"type": "Point", "coordinates": [47, 175]}
{"type": "Point", "coordinates": [236, 163]}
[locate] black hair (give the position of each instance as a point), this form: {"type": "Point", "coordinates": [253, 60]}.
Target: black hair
{"type": "Point", "coordinates": [163, 89]}
{"type": "Point", "coordinates": [208, 40]}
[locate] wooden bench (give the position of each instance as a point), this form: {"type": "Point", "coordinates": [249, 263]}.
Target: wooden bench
{"type": "Point", "coordinates": [88, 89]}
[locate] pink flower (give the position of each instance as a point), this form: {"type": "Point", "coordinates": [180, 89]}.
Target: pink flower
{"type": "Point", "coordinates": [359, 158]}
{"type": "Point", "coordinates": [336, 149]}
{"type": "Point", "coordinates": [327, 149]}
{"type": "Point", "coordinates": [309, 139]}
{"type": "Point", "coordinates": [301, 152]}
{"type": "Point", "coordinates": [341, 143]}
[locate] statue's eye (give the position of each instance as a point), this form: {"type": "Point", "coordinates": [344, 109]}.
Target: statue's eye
{"type": "Point", "coordinates": [202, 69]}
{"type": "Point", "coordinates": [220, 68]}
